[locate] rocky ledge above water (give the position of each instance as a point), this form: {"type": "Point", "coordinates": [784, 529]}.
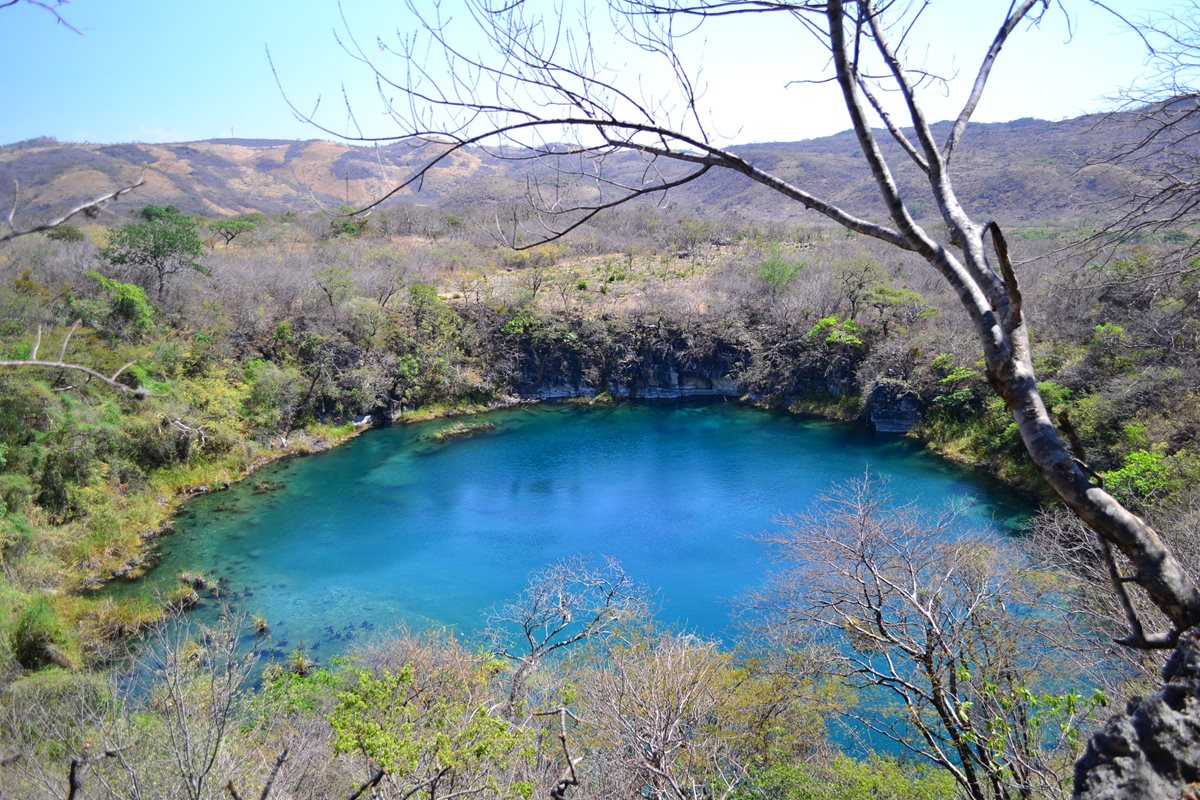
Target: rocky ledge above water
{"type": "Point", "coordinates": [892, 407]}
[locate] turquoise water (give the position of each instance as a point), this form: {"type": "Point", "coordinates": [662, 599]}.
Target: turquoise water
{"type": "Point", "coordinates": [394, 529]}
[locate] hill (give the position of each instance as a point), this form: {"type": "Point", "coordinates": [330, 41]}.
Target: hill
{"type": "Point", "coordinates": [1023, 172]}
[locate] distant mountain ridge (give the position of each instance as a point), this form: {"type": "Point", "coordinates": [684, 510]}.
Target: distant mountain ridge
{"type": "Point", "coordinates": [1022, 172]}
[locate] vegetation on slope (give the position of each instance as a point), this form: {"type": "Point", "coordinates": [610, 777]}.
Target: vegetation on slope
{"type": "Point", "coordinates": [297, 328]}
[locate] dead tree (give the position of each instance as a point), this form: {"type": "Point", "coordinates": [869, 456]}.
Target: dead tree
{"type": "Point", "coordinates": [568, 602]}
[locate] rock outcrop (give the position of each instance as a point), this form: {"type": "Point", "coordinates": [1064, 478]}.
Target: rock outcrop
{"type": "Point", "coordinates": [1151, 751]}
{"type": "Point", "coordinates": [892, 407]}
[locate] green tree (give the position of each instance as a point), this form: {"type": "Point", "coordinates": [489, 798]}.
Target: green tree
{"type": "Point", "coordinates": [897, 305]}
{"type": "Point", "coordinates": [846, 779]}
{"type": "Point", "coordinates": [230, 229]}
{"type": "Point", "coordinates": [162, 242]}
{"type": "Point", "coordinates": [432, 729]}
{"type": "Point", "coordinates": [777, 272]}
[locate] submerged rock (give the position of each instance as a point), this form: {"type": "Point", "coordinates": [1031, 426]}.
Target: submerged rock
{"type": "Point", "coordinates": [462, 429]}
{"type": "Point", "coordinates": [195, 580]}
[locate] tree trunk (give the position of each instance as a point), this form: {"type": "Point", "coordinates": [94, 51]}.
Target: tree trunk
{"type": "Point", "coordinates": [1157, 570]}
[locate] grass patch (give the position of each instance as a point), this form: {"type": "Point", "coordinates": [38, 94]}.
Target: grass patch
{"type": "Point", "coordinates": [844, 409]}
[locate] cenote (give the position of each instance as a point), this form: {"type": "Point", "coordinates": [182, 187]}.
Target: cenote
{"type": "Point", "coordinates": [396, 529]}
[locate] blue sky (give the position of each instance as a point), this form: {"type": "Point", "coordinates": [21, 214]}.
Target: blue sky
{"type": "Point", "coordinates": [177, 70]}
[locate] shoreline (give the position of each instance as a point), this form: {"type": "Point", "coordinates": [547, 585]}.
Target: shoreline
{"type": "Point", "coordinates": [324, 437]}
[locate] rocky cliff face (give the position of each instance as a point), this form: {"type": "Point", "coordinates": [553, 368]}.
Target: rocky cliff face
{"type": "Point", "coordinates": [643, 361]}
{"type": "Point", "coordinates": [1151, 751]}
{"type": "Point", "coordinates": [659, 361]}
{"type": "Point", "coordinates": [660, 384]}
{"type": "Point", "coordinates": [892, 407]}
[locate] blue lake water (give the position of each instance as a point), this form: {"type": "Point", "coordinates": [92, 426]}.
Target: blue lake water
{"type": "Point", "coordinates": [394, 529]}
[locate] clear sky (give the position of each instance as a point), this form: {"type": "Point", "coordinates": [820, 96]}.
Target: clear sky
{"type": "Point", "coordinates": [178, 70]}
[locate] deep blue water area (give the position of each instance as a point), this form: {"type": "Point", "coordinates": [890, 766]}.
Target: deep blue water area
{"type": "Point", "coordinates": [395, 529]}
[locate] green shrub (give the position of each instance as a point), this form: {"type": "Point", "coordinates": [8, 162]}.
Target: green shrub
{"type": "Point", "coordinates": [16, 534]}
{"type": "Point", "coordinates": [960, 405]}
{"type": "Point", "coordinates": [65, 233]}
{"type": "Point", "coordinates": [1054, 395]}
{"type": "Point", "coordinates": [777, 272]}
{"type": "Point", "coordinates": [832, 331]}
{"type": "Point", "coordinates": [40, 639]}
{"type": "Point", "coordinates": [151, 445]}
{"type": "Point", "coordinates": [15, 491]}
{"type": "Point", "coordinates": [1144, 479]}
{"type": "Point", "coordinates": [128, 308]}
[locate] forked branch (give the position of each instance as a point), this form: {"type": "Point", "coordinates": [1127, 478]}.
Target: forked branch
{"type": "Point", "coordinates": [568, 778]}
{"type": "Point", "coordinates": [111, 380]}
{"type": "Point", "coordinates": [75, 773]}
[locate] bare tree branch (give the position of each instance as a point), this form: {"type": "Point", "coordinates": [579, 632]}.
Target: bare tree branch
{"type": "Point", "coordinates": [371, 783]}
{"type": "Point", "coordinates": [111, 380]}
{"type": "Point", "coordinates": [90, 208]}
{"type": "Point", "coordinates": [51, 6]}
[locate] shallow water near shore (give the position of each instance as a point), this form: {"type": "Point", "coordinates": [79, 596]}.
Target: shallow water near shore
{"type": "Point", "coordinates": [397, 529]}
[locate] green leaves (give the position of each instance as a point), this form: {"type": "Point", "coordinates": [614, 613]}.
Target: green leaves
{"type": "Point", "coordinates": [128, 306]}
{"type": "Point", "coordinates": [1142, 480]}
{"type": "Point", "coordinates": [424, 727]}
{"type": "Point", "coordinates": [163, 243]}
{"type": "Point", "coordinates": [830, 330]}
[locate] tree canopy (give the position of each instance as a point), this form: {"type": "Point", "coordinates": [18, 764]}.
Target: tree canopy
{"type": "Point", "coordinates": [163, 242]}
